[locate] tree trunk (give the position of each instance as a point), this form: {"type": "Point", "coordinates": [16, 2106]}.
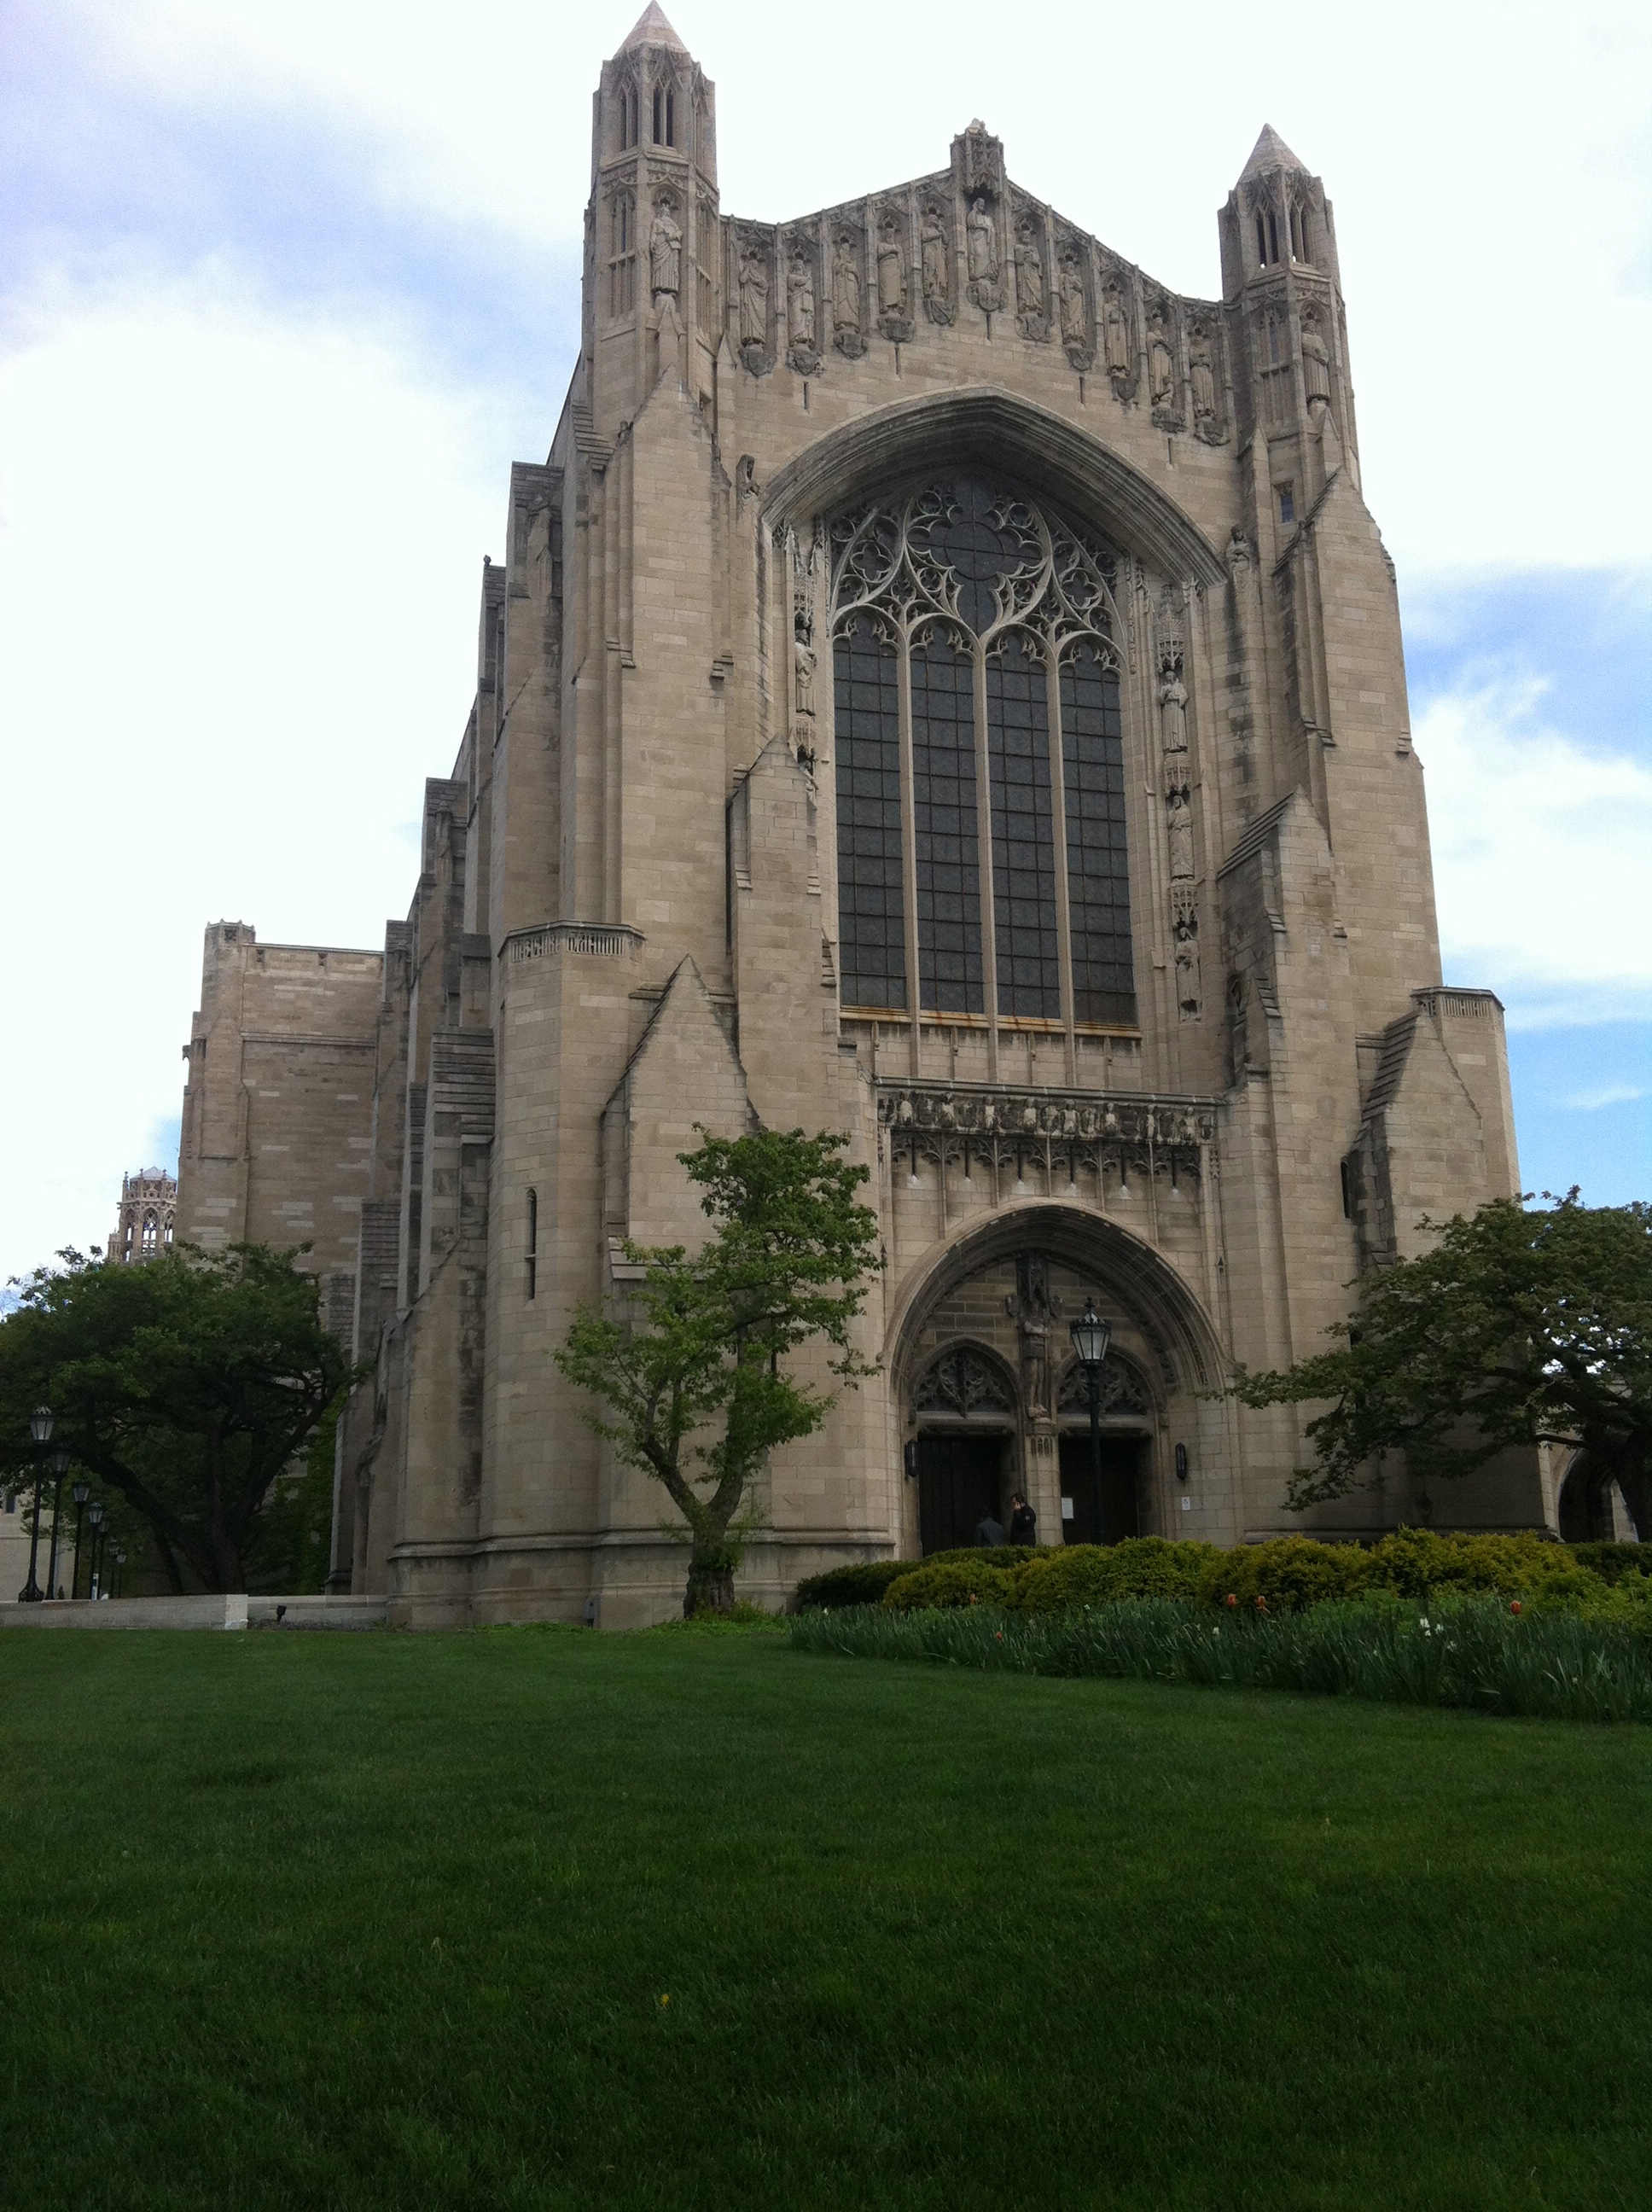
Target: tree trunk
{"type": "Point", "coordinates": [711, 1580]}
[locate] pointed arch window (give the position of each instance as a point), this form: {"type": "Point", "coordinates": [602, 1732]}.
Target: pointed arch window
{"type": "Point", "coordinates": [665, 117]}
{"type": "Point", "coordinates": [626, 104]}
{"type": "Point", "coordinates": [150, 1237]}
{"type": "Point", "coordinates": [982, 866]}
{"type": "Point", "coordinates": [621, 253]}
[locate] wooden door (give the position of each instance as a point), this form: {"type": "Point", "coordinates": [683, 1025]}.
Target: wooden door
{"type": "Point", "coordinates": [960, 1478]}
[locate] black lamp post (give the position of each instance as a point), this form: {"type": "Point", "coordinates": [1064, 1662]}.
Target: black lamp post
{"type": "Point", "coordinates": [40, 1427]}
{"type": "Point", "coordinates": [79, 1491]}
{"type": "Point", "coordinates": [94, 1520]}
{"type": "Point", "coordinates": [1090, 1337]}
{"type": "Point", "coordinates": [61, 1463]}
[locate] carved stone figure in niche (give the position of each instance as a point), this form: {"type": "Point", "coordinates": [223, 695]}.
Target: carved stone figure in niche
{"type": "Point", "coordinates": [1161, 362]}
{"type": "Point", "coordinates": [1173, 704]}
{"type": "Point", "coordinates": [803, 679]}
{"type": "Point", "coordinates": [1030, 1305]}
{"type": "Point", "coordinates": [800, 313]}
{"type": "Point", "coordinates": [753, 297]}
{"type": "Point", "coordinates": [1315, 359]}
{"type": "Point", "coordinates": [666, 252]}
{"type": "Point", "coordinates": [1115, 337]}
{"type": "Point", "coordinates": [1178, 831]}
{"type": "Point", "coordinates": [845, 293]}
{"type": "Point", "coordinates": [1074, 306]}
{"type": "Point", "coordinates": [937, 265]}
{"type": "Point", "coordinates": [891, 271]}
{"type": "Point", "coordinates": [1029, 278]}
{"type": "Point", "coordinates": [1185, 932]}
{"type": "Point", "coordinates": [981, 250]}
{"type": "Point", "coordinates": [1202, 373]}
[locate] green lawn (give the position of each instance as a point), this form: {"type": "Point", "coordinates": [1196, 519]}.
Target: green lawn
{"type": "Point", "coordinates": [392, 1921]}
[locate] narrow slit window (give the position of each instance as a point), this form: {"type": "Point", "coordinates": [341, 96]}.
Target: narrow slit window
{"type": "Point", "coordinates": [1262, 242]}
{"type": "Point", "coordinates": [1098, 867]}
{"type": "Point", "coordinates": [1287, 504]}
{"type": "Point", "coordinates": [533, 1245]}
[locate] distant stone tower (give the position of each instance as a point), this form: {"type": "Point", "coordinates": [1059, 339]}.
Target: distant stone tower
{"type": "Point", "coordinates": [143, 1226]}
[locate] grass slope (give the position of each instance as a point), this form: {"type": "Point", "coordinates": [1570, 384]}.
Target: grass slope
{"type": "Point", "coordinates": [391, 1921]}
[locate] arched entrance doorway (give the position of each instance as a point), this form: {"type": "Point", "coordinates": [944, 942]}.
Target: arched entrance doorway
{"type": "Point", "coordinates": [1118, 1506]}
{"type": "Point", "coordinates": [963, 1449]}
{"type": "Point", "coordinates": [1015, 1415]}
{"type": "Point", "coordinates": [1585, 1503]}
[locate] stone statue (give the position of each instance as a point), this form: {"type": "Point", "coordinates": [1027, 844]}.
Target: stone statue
{"type": "Point", "coordinates": [666, 253]}
{"type": "Point", "coordinates": [846, 284]}
{"type": "Point", "coordinates": [935, 261]}
{"type": "Point", "coordinates": [1029, 272]}
{"type": "Point", "coordinates": [1315, 359]}
{"type": "Point", "coordinates": [754, 297]}
{"type": "Point", "coordinates": [982, 244]}
{"type": "Point", "coordinates": [1070, 291]}
{"type": "Point", "coordinates": [1115, 330]}
{"type": "Point", "coordinates": [1161, 364]}
{"type": "Point", "coordinates": [1172, 713]}
{"type": "Point", "coordinates": [803, 677]}
{"type": "Point", "coordinates": [800, 303]}
{"type": "Point", "coordinates": [891, 271]}
{"type": "Point", "coordinates": [1203, 374]}
{"type": "Point", "coordinates": [1030, 1305]}
{"type": "Point", "coordinates": [1178, 821]}
{"type": "Point", "coordinates": [1187, 960]}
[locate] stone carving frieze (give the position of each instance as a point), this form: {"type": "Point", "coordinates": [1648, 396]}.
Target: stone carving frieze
{"type": "Point", "coordinates": [1008, 1136]}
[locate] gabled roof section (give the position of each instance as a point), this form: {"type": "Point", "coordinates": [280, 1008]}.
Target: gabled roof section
{"type": "Point", "coordinates": [651, 29]}
{"type": "Point", "coordinates": [1270, 152]}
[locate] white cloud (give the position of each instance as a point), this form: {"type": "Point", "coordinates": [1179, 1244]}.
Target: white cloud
{"type": "Point", "coordinates": [1542, 859]}
{"type": "Point", "coordinates": [1609, 1094]}
{"type": "Point", "coordinates": [238, 562]}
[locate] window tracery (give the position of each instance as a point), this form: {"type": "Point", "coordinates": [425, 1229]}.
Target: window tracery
{"type": "Point", "coordinates": [975, 651]}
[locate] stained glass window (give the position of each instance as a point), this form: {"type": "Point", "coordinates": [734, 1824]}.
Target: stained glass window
{"type": "Point", "coordinates": [866, 697]}
{"type": "Point", "coordinates": [979, 592]}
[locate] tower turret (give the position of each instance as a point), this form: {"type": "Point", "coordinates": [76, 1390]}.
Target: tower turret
{"type": "Point", "coordinates": [653, 257]}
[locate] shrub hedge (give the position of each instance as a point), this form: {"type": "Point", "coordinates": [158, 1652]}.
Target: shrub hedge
{"type": "Point", "coordinates": [1290, 1574]}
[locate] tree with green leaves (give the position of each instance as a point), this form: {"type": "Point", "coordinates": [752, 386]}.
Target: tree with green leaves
{"type": "Point", "coordinates": [187, 1385]}
{"type": "Point", "coordinates": [693, 1380]}
{"type": "Point", "coordinates": [1518, 1326]}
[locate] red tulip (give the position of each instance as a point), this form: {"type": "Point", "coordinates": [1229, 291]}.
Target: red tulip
{"type": "Point", "coordinates": [1513, 1605]}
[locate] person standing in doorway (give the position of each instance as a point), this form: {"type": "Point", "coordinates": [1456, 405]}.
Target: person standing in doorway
{"type": "Point", "coordinates": [989, 1531]}
{"type": "Point", "coordinates": [1023, 1522]}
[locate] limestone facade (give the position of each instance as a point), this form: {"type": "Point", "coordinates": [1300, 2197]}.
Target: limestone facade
{"type": "Point", "coordinates": [941, 685]}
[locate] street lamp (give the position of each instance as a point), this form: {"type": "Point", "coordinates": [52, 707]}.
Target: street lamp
{"type": "Point", "coordinates": [1090, 1337]}
{"type": "Point", "coordinates": [79, 1491]}
{"type": "Point", "coordinates": [40, 1427]}
{"type": "Point", "coordinates": [61, 1463]}
{"type": "Point", "coordinates": [95, 1519]}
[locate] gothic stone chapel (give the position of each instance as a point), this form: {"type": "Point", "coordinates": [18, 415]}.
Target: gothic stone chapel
{"type": "Point", "coordinates": [943, 686]}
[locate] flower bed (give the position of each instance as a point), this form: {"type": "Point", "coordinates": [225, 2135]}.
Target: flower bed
{"type": "Point", "coordinates": [1493, 1655]}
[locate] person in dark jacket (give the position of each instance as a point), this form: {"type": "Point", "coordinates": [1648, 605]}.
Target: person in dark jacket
{"type": "Point", "coordinates": [1023, 1522]}
{"type": "Point", "coordinates": [988, 1531]}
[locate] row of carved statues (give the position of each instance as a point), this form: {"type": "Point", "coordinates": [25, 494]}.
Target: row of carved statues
{"type": "Point", "coordinates": [1085, 1120]}
{"type": "Point", "coordinates": [830, 293]}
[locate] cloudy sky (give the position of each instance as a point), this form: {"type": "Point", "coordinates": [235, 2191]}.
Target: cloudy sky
{"type": "Point", "coordinates": [288, 288]}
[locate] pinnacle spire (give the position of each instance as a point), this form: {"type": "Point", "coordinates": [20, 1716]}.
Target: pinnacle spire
{"type": "Point", "coordinates": [651, 29]}
{"type": "Point", "coordinates": [1270, 152]}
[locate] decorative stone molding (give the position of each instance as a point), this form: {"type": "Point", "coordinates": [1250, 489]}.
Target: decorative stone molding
{"type": "Point", "coordinates": [589, 940]}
